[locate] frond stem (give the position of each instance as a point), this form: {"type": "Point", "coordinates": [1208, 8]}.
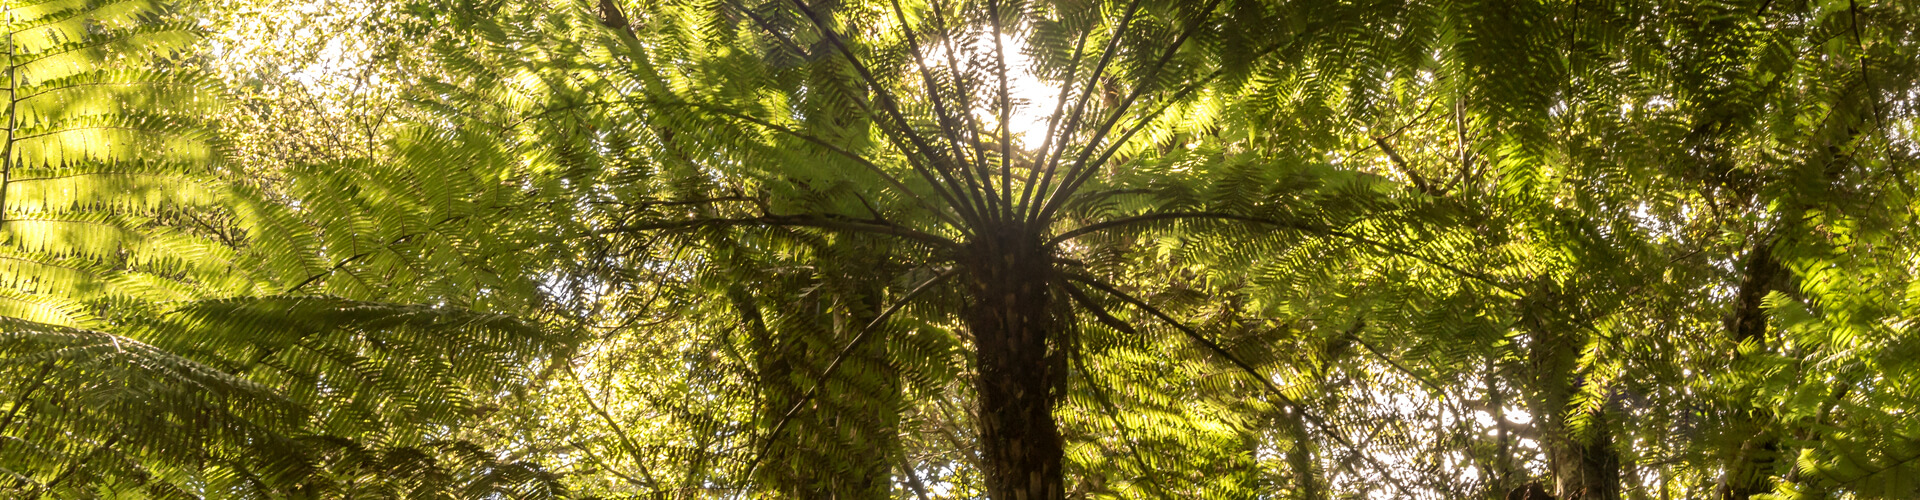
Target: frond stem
{"type": "Point", "coordinates": [1293, 405]}
{"type": "Point", "coordinates": [1389, 248]}
{"type": "Point", "coordinates": [1079, 107]}
{"type": "Point", "coordinates": [887, 104]}
{"type": "Point", "coordinates": [1100, 394]}
{"type": "Point", "coordinates": [625, 441]}
{"type": "Point", "coordinates": [842, 357]}
{"type": "Point", "coordinates": [784, 220]}
{"type": "Point", "coordinates": [1081, 170]}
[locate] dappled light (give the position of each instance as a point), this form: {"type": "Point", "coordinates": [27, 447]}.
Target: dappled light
{"type": "Point", "coordinates": [935, 249]}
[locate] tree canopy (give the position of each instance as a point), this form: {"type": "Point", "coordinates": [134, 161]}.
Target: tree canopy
{"type": "Point", "coordinates": [920, 249]}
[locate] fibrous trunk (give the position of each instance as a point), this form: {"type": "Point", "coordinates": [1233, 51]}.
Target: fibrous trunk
{"type": "Point", "coordinates": [1748, 467]}
{"type": "Point", "coordinates": [1584, 464]}
{"type": "Point", "coordinates": [1010, 319]}
{"type": "Point", "coordinates": [1580, 458]}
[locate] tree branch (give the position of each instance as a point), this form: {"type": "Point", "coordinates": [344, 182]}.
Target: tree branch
{"type": "Point", "coordinates": [839, 358]}
{"type": "Point", "coordinates": [784, 220]}
{"type": "Point", "coordinates": [1400, 165]}
{"type": "Point", "coordinates": [1215, 347]}
{"type": "Point", "coordinates": [1388, 248]}
{"type": "Point", "coordinates": [625, 441]}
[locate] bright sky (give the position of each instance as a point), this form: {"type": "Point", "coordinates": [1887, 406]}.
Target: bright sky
{"type": "Point", "coordinates": [1034, 98]}
{"type": "Point", "coordinates": [1028, 121]}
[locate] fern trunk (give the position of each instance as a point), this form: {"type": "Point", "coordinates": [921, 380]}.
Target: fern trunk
{"type": "Point", "coordinates": [1581, 460]}
{"type": "Point", "coordinates": [1585, 466]}
{"type": "Point", "coordinates": [1748, 468]}
{"type": "Point", "coordinates": [1010, 317]}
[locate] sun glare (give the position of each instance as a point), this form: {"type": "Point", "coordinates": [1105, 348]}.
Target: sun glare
{"type": "Point", "coordinates": [1033, 98]}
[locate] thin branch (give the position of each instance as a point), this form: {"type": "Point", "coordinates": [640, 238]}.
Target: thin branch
{"type": "Point", "coordinates": [625, 441]}
{"type": "Point", "coordinates": [913, 478]}
{"type": "Point", "coordinates": [1400, 164]}
{"type": "Point", "coordinates": [1125, 221]}
{"type": "Point", "coordinates": [1215, 347]}
{"type": "Point", "coordinates": [839, 358]}
{"type": "Point", "coordinates": [610, 469]}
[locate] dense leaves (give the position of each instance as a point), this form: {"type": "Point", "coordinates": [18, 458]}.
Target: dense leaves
{"type": "Point", "coordinates": [945, 249]}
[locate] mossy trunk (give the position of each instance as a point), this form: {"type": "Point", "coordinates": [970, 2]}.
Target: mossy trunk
{"type": "Point", "coordinates": [1010, 317]}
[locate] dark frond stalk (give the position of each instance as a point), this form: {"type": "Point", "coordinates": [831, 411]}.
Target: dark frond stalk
{"type": "Point", "coordinates": [964, 94]}
{"type": "Point", "coordinates": [1100, 393]}
{"type": "Point", "coordinates": [1066, 133]}
{"type": "Point", "coordinates": [26, 396]}
{"type": "Point", "coordinates": [842, 152]}
{"type": "Point", "coordinates": [13, 124]}
{"type": "Point", "coordinates": [923, 163]}
{"type": "Point", "coordinates": [1006, 108]}
{"type": "Point", "coordinates": [1165, 104]}
{"type": "Point", "coordinates": [595, 459]}
{"type": "Point", "coordinates": [80, 462]}
{"type": "Point", "coordinates": [840, 358]}
{"type": "Point", "coordinates": [973, 207]}
{"type": "Point", "coordinates": [783, 221]}
{"type": "Point", "coordinates": [948, 129]}
{"type": "Point", "coordinates": [1081, 170]}
{"type": "Point", "coordinates": [1326, 231]}
{"type": "Point", "coordinates": [1053, 120]}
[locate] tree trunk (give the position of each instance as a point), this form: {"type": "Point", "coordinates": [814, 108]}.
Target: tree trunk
{"type": "Point", "coordinates": [1010, 319]}
{"type": "Point", "coordinates": [1300, 459]}
{"type": "Point", "coordinates": [1583, 465]}
{"type": "Point", "coordinates": [1746, 472]}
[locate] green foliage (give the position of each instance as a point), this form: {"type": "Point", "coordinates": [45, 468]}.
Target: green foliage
{"type": "Point", "coordinates": [790, 248]}
{"type": "Point", "coordinates": [163, 335]}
